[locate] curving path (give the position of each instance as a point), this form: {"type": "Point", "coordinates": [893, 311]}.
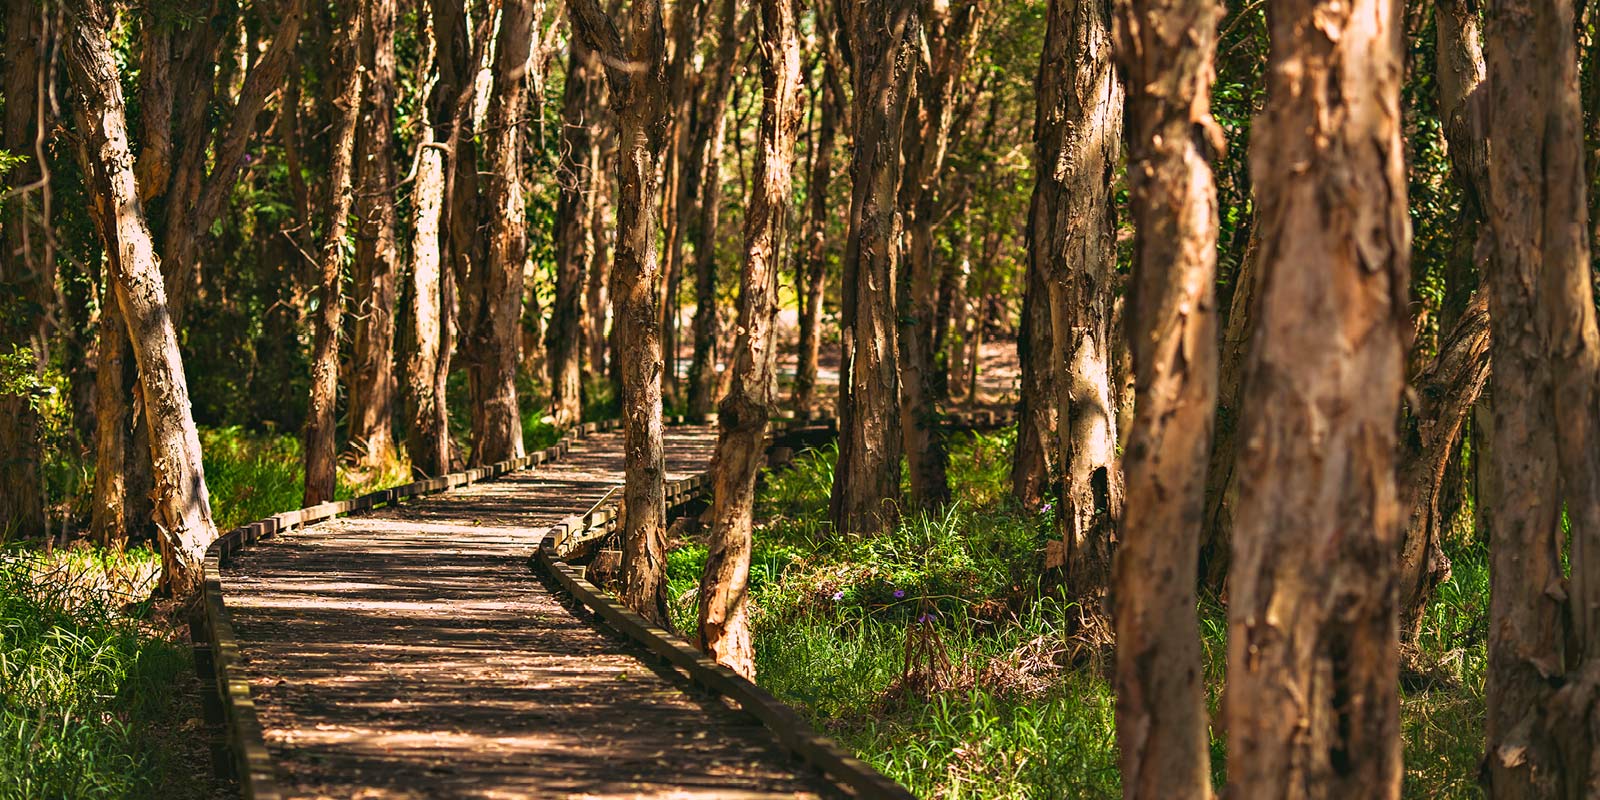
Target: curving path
{"type": "Point", "coordinates": [411, 653]}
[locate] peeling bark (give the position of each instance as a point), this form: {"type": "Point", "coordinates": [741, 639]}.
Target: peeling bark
{"type": "Point", "coordinates": [866, 483]}
{"type": "Point", "coordinates": [321, 420]}
{"type": "Point", "coordinates": [182, 503]}
{"type": "Point", "coordinates": [1544, 641]}
{"type": "Point", "coordinates": [635, 71]}
{"type": "Point", "coordinates": [1312, 705]}
{"type": "Point", "coordinates": [1167, 49]}
{"type": "Point", "coordinates": [1079, 136]}
{"type": "Point", "coordinates": [377, 257]}
{"type": "Point", "coordinates": [724, 608]}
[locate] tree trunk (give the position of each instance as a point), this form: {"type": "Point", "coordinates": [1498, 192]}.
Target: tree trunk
{"type": "Point", "coordinates": [1312, 704]}
{"type": "Point", "coordinates": [109, 524]}
{"type": "Point", "coordinates": [432, 295]}
{"type": "Point", "coordinates": [372, 382]}
{"type": "Point", "coordinates": [27, 282]}
{"type": "Point", "coordinates": [321, 416]}
{"type": "Point", "coordinates": [578, 182]}
{"type": "Point", "coordinates": [1034, 459]}
{"type": "Point", "coordinates": [1167, 51]}
{"type": "Point", "coordinates": [681, 167]}
{"type": "Point", "coordinates": [1448, 389]}
{"type": "Point", "coordinates": [635, 73]}
{"type": "Point", "coordinates": [1546, 355]}
{"type": "Point", "coordinates": [183, 507]}
{"type": "Point", "coordinates": [706, 155]}
{"type": "Point", "coordinates": [1446, 392]}
{"type": "Point", "coordinates": [597, 293]}
{"type": "Point", "coordinates": [866, 484]}
{"type": "Point", "coordinates": [743, 412]}
{"type": "Point", "coordinates": [1079, 134]}
{"type": "Point", "coordinates": [812, 284]}
{"type": "Point", "coordinates": [951, 31]}
{"type": "Point", "coordinates": [498, 282]}
{"type": "Point", "coordinates": [1221, 487]}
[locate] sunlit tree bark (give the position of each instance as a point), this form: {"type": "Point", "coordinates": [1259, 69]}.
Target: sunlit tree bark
{"type": "Point", "coordinates": [724, 599]}
{"type": "Point", "coordinates": [1166, 48]}
{"type": "Point", "coordinates": [1312, 706]}
{"type": "Point", "coordinates": [866, 482]}
{"type": "Point", "coordinates": [182, 503]}
{"type": "Point", "coordinates": [635, 71]}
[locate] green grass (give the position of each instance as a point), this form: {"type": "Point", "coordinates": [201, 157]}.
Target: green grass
{"type": "Point", "coordinates": [1004, 693]}
{"type": "Point", "coordinates": [255, 475]}
{"type": "Point", "coordinates": [87, 701]}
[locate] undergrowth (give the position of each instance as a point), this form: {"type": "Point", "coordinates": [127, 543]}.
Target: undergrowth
{"type": "Point", "coordinates": [935, 654]}
{"type": "Point", "coordinates": [88, 706]}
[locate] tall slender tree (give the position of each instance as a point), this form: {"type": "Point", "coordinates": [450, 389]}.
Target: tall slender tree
{"type": "Point", "coordinates": [636, 73]}
{"type": "Point", "coordinates": [1078, 132]}
{"type": "Point", "coordinates": [1312, 704]}
{"type": "Point", "coordinates": [377, 253]}
{"type": "Point", "coordinates": [579, 180]}
{"type": "Point", "coordinates": [182, 502]}
{"type": "Point", "coordinates": [743, 413]}
{"type": "Point", "coordinates": [811, 279]}
{"type": "Point", "coordinates": [951, 33]}
{"type": "Point", "coordinates": [495, 327]}
{"type": "Point", "coordinates": [1544, 639]}
{"type": "Point", "coordinates": [26, 274]}
{"type": "Point", "coordinates": [706, 155]}
{"type": "Point", "coordinates": [866, 484]}
{"type": "Point", "coordinates": [1167, 48]}
{"type": "Point", "coordinates": [321, 418]}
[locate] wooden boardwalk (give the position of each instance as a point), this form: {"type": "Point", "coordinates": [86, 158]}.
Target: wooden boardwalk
{"type": "Point", "coordinates": [411, 653]}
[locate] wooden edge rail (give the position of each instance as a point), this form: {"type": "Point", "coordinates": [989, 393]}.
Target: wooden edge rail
{"type": "Point", "coordinates": [240, 747]}
{"type": "Point", "coordinates": [791, 730]}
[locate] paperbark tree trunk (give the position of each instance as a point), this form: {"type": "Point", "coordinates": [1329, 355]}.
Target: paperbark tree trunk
{"type": "Point", "coordinates": [1448, 388]}
{"type": "Point", "coordinates": [108, 523]}
{"type": "Point", "coordinates": [1079, 135]}
{"type": "Point", "coordinates": [377, 265]}
{"type": "Point", "coordinates": [597, 293]}
{"type": "Point", "coordinates": [321, 416]}
{"type": "Point", "coordinates": [1034, 459]}
{"type": "Point", "coordinates": [681, 171]}
{"type": "Point", "coordinates": [27, 282]}
{"type": "Point", "coordinates": [812, 282]}
{"type": "Point", "coordinates": [951, 33]}
{"type": "Point", "coordinates": [580, 154]}
{"type": "Point", "coordinates": [183, 506]}
{"type": "Point", "coordinates": [498, 282]}
{"type": "Point", "coordinates": [743, 412]}
{"type": "Point", "coordinates": [432, 296]}
{"type": "Point", "coordinates": [1544, 642]}
{"type": "Point", "coordinates": [1312, 704]}
{"type": "Point", "coordinates": [1446, 392]}
{"type": "Point", "coordinates": [635, 71]}
{"type": "Point", "coordinates": [866, 483]}
{"type": "Point", "coordinates": [1167, 49]}
{"type": "Point", "coordinates": [1221, 487]}
{"type": "Point", "coordinates": [706, 155]}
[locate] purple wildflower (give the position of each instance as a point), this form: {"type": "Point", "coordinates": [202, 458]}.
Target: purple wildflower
{"type": "Point", "coordinates": [839, 595]}
{"type": "Point", "coordinates": [1046, 507]}
{"type": "Point", "coordinates": [925, 618]}
{"type": "Point", "coordinates": [899, 593]}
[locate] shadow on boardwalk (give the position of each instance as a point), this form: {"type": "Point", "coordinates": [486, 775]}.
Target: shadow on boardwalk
{"type": "Point", "coordinates": [411, 653]}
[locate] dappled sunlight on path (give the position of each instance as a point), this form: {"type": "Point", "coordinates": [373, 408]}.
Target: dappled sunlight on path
{"type": "Point", "coordinates": [412, 653]}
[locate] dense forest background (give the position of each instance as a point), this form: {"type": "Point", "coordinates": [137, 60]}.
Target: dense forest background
{"type": "Point", "coordinates": [1234, 270]}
